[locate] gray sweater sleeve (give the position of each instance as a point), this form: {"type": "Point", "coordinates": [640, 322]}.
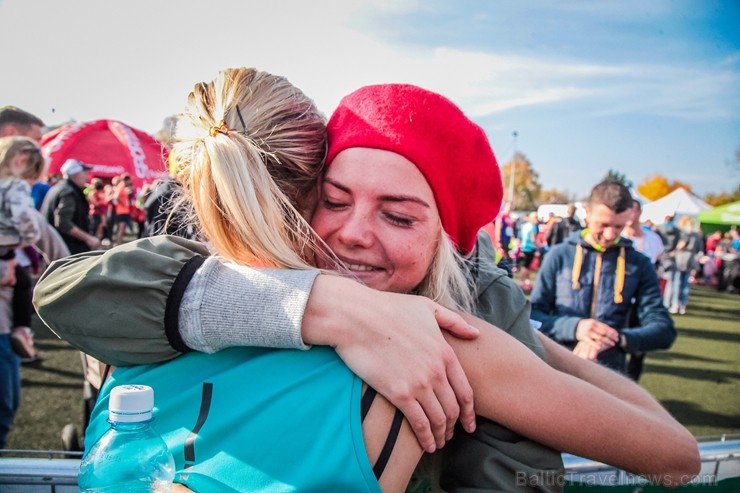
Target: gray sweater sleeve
{"type": "Point", "coordinates": [228, 305]}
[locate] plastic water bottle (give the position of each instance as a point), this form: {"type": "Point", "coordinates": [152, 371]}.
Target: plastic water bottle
{"type": "Point", "coordinates": [130, 457]}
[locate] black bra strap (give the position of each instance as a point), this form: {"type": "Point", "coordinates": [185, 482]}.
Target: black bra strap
{"type": "Point", "coordinates": [390, 442]}
{"type": "Point", "coordinates": [366, 402]}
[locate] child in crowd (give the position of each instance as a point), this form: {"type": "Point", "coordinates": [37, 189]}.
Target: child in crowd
{"type": "Point", "coordinates": [21, 164]}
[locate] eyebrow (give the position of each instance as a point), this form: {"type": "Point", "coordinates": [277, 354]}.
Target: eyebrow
{"type": "Point", "coordinates": [384, 198]}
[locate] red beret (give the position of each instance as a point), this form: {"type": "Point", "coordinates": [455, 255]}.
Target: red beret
{"type": "Point", "coordinates": [451, 151]}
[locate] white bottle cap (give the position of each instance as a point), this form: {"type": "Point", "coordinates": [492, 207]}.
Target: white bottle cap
{"type": "Point", "coordinates": [130, 403]}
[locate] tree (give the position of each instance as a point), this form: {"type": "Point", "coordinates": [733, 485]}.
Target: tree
{"type": "Point", "coordinates": [527, 187]}
{"type": "Point", "coordinates": [722, 198]}
{"type": "Point", "coordinates": [658, 186]}
{"type": "Point", "coordinates": [555, 196]}
{"type": "Point", "coordinates": [614, 175]}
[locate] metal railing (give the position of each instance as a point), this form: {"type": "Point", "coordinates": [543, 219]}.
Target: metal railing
{"type": "Point", "coordinates": [50, 472]}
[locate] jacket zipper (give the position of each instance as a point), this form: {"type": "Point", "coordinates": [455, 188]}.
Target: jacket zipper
{"type": "Point", "coordinates": [597, 279]}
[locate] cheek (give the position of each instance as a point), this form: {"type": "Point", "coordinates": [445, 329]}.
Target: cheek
{"type": "Point", "coordinates": [412, 259]}
{"type": "Point", "coordinates": [320, 223]}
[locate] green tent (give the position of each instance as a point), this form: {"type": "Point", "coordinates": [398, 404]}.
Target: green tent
{"type": "Point", "coordinates": [722, 217]}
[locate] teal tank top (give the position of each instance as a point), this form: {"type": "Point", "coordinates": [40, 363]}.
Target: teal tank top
{"type": "Point", "coordinates": [255, 419]}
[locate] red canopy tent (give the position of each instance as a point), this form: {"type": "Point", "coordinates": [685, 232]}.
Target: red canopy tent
{"type": "Point", "coordinates": [110, 147]}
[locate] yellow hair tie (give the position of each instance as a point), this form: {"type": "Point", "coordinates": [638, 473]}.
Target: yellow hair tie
{"type": "Point", "coordinates": [220, 129]}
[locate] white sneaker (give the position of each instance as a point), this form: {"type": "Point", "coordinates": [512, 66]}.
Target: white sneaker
{"type": "Point", "coordinates": [673, 310]}
{"type": "Point", "coordinates": [682, 310]}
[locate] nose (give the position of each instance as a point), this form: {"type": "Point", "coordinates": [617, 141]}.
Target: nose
{"type": "Point", "coordinates": [355, 230]}
{"type": "Point", "coordinates": [610, 234]}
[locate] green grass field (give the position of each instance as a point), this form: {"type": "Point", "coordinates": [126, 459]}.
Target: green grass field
{"type": "Point", "coordinates": [698, 380]}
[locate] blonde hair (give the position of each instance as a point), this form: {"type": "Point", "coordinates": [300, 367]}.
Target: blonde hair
{"type": "Point", "coordinates": [686, 223]}
{"type": "Point", "coordinates": [448, 280]}
{"type": "Point", "coordinates": [10, 147]}
{"type": "Point", "coordinates": [248, 150]}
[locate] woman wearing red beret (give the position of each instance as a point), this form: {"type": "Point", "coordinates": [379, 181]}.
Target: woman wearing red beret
{"type": "Point", "coordinates": [409, 182]}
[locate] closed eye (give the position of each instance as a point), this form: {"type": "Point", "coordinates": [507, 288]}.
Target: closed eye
{"type": "Point", "coordinates": [328, 204]}
{"type": "Point", "coordinates": [398, 220]}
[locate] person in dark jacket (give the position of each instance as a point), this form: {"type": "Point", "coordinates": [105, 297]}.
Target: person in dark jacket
{"type": "Point", "coordinates": [66, 208]}
{"type": "Point", "coordinates": [588, 285]}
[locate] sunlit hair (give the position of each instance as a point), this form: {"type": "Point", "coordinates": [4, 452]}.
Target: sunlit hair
{"type": "Point", "coordinates": [613, 195]}
{"type": "Point", "coordinates": [249, 179]}
{"type": "Point", "coordinates": [686, 224]}
{"type": "Point", "coordinates": [11, 147]}
{"type": "Point", "coordinates": [447, 281]}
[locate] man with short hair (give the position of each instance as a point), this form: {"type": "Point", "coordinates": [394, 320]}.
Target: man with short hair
{"type": "Point", "coordinates": [15, 121]}
{"type": "Point", "coordinates": [66, 208]}
{"type": "Point", "coordinates": [588, 286]}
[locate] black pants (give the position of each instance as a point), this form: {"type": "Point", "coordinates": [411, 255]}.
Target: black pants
{"type": "Point", "coordinates": [22, 298]}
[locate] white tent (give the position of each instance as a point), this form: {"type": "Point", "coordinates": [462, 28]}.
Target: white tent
{"type": "Point", "coordinates": [677, 203]}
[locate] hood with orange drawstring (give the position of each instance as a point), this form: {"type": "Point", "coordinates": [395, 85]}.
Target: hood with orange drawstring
{"type": "Point", "coordinates": [617, 286]}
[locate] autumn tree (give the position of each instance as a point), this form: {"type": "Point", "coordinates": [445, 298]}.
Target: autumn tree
{"type": "Point", "coordinates": [555, 196]}
{"type": "Point", "coordinates": [658, 186]}
{"type": "Point", "coordinates": [527, 187]}
{"type": "Point", "coordinates": [722, 198]}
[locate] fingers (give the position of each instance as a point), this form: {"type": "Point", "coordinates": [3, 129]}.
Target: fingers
{"type": "Point", "coordinates": [586, 350]}
{"type": "Point", "coordinates": [453, 323]}
{"type": "Point", "coordinates": [436, 416]}
{"type": "Point", "coordinates": [420, 424]}
{"type": "Point", "coordinates": [598, 333]}
{"type": "Point", "coordinates": [463, 393]}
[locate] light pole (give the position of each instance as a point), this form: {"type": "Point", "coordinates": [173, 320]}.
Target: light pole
{"type": "Point", "coordinates": [512, 172]}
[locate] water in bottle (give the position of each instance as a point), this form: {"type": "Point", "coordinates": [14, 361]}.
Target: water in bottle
{"type": "Point", "coordinates": [130, 457]}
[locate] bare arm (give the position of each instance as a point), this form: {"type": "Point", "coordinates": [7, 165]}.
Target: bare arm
{"type": "Point", "coordinates": [391, 340]}
{"type": "Point", "coordinates": [607, 380]}
{"type": "Point", "coordinates": [616, 425]}
{"type": "Point", "coordinates": [419, 373]}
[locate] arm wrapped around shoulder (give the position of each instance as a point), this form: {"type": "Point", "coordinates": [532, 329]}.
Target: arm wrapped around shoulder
{"type": "Point", "coordinates": [112, 304]}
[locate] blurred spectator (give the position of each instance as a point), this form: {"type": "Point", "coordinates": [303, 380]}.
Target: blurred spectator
{"type": "Point", "coordinates": [121, 202]}
{"type": "Point", "coordinates": [687, 253]}
{"type": "Point", "coordinates": [162, 216]}
{"type": "Point", "coordinates": [650, 244]}
{"type": "Point", "coordinates": [644, 240]}
{"type": "Point", "coordinates": [504, 232]}
{"type": "Point", "coordinates": [98, 207]}
{"type": "Point", "coordinates": [670, 235]}
{"type": "Point", "coordinates": [529, 244]}
{"type": "Point", "coordinates": [67, 209]}
{"type": "Point", "coordinates": [563, 228]}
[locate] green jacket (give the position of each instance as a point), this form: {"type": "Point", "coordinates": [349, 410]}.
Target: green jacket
{"type": "Point", "coordinates": [114, 305]}
{"type": "Point", "coordinates": [494, 458]}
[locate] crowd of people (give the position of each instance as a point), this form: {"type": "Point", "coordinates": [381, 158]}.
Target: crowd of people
{"type": "Point", "coordinates": [45, 218]}
{"type": "Point", "coordinates": [435, 346]}
{"type": "Point", "coordinates": [682, 254]}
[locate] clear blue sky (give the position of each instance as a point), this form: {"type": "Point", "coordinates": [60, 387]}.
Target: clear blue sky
{"type": "Point", "coordinates": [643, 87]}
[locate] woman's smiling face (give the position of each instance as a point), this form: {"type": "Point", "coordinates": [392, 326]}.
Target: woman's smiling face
{"type": "Point", "coordinates": [378, 215]}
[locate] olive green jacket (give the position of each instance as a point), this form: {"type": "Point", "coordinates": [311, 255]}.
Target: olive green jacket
{"type": "Point", "coordinates": [114, 306]}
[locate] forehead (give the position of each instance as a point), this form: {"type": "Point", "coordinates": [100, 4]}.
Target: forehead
{"type": "Point", "coordinates": [364, 169]}
{"type": "Point", "coordinates": [603, 214]}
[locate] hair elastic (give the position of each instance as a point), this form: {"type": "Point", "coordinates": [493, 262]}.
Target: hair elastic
{"type": "Point", "coordinates": [220, 129]}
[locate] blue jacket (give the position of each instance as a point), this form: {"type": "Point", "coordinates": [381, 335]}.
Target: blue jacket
{"type": "Point", "coordinates": [564, 295]}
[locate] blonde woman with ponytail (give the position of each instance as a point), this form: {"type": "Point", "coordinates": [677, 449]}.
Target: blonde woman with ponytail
{"type": "Point", "coordinates": [388, 211]}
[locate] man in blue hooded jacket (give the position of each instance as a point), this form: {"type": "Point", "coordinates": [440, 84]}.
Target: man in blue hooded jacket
{"type": "Point", "coordinates": [588, 286]}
